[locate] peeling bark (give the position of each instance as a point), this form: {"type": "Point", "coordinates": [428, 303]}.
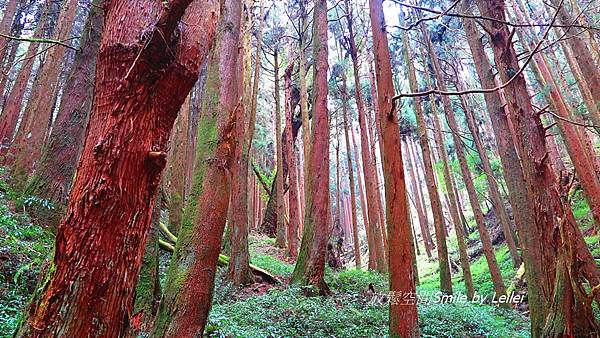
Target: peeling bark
{"type": "Point", "coordinates": [100, 242]}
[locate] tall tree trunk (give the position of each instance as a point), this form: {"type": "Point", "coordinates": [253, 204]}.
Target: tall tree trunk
{"type": "Point", "coordinates": [434, 197]}
{"type": "Point", "coordinates": [372, 265]}
{"type": "Point", "coordinates": [418, 168]}
{"type": "Point", "coordinates": [54, 175]}
{"type": "Point", "coordinates": [100, 244]}
{"type": "Point", "coordinates": [9, 17]}
{"type": "Point", "coordinates": [376, 133]}
{"type": "Point", "coordinates": [269, 222]}
{"type": "Point", "coordinates": [403, 317]}
{"type": "Point", "coordinates": [584, 165]}
{"type": "Point", "coordinates": [453, 204]}
{"type": "Point", "coordinates": [279, 178]}
{"type": "Point", "coordinates": [239, 264]}
{"type": "Point", "coordinates": [306, 131]}
{"type": "Point", "coordinates": [484, 235]}
{"type": "Point", "coordinates": [580, 153]}
{"type": "Point", "coordinates": [552, 251]}
{"type": "Point", "coordinates": [256, 77]}
{"type": "Point", "coordinates": [12, 107]}
{"type": "Point", "coordinates": [372, 194]}
{"type": "Point", "coordinates": [294, 209]}
{"type": "Point", "coordinates": [371, 136]}
{"type": "Point", "coordinates": [190, 280]}
{"type": "Point", "coordinates": [33, 132]}
{"type": "Point", "coordinates": [310, 266]}
{"type": "Point", "coordinates": [582, 54]}
{"type": "Point", "coordinates": [582, 156]}
{"type": "Point", "coordinates": [355, 240]}
{"type": "Point", "coordinates": [494, 190]}
{"type": "Point", "coordinates": [147, 290]}
{"type": "Point", "coordinates": [423, 223]}
{"type": "Point", "coordinates": [177, 160]}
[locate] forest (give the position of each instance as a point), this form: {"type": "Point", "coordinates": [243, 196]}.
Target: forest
{"type": "Point", "coordinates": [299, 168]}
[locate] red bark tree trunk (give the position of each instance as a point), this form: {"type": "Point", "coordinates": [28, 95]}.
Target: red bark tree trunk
{"type": "Point", "coordinates": [434, 197]}
{"type": "Point", "coordinates": [484, 235]}
{"type": "Point", "coordinates": [178, 162]}
{"type": "Point", "coordinates": [54, 175]}
{"type": "Point", "coordinates": [280, 234]}
{"type": "Point", "coordinates": [32, 133]}
{"type": "Point", "coordinates": [310, 266]}
{"type": "Point", "coordinates": [12, 107]}
{"type": "Point", "coordinates": [189, 287]}
{"type": "Point", "coordinates": [372, 265]}
{"type": "Point", "coordinates": [550, 236]}
{"type": "Point", "coordinates": [357, 256]}
{"type": "Point", "coordinates": [294, 209]}
{"type": "Point", "coordinates": [89, 289]}
{"type": "Point", "coordinates": [423, 224]}
{"type": "Point", "coordinates": [403, 317]}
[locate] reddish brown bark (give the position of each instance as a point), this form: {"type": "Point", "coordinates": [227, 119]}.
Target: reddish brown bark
{"type": "Point", "coordinates": [239, 264]}
{"type": "Point", "coordinates": [434, 197]}
{"type": "Point", "coordinates": [581, 154]}
{"type": "Point", "coordinates": [268, 224]}
{"type": "Point", "coordinates": [294, 209]}
{"type": "Point", "coordinates": [555, 310]}
{"type": "Point", "coordinates": [376, 138]}
{"type": "Point", "coordinates": [100, 243]}
{"type": "Point", "coordinates": [147, 291]}
{"type": "Point", "coordinates": [188, 292]}
{"type": "Point", "coordinates": [372, 135]}
{"type": "Point", "coordinates": [178, 160]}
{"type": "Point", "coordinates": [403, 317]}
{"type": "Point", "coordinates": [32, 133]}
{"type": "Point", "coordinates": [372, 265]}
{"type": "Point", "coordinates": [372, 195]}
{"type": "Point", "coordinates": [584, 165]}
{"type": "Point", "coordinates": [12, 107]}
{"type": "Point", "coordinates": [484, 235]}
{"type": "Point", "coordinates": [416, 164]}
{"type": "Point", "coordinates": [279, 178]}
{"type": "Point", "coordinates": [6, 50]}
{"type": "Point", "coordinates": [422, 217]}
{"type": "Point", "coordinates": [453, 204]}
{"type": "Point", "coordinates": [582, 54]}
{"type": "Point", "coordinates": [522, 205]}
{"type": "Point", "coordinates": [54, 175]}
{"type": "Point", "coordinates": [494, 190]}
{"type": "Point", "coordinates": [302, 69]}
{"type": "Point", "coordinates": [7, 19]}
{"type": "Point", "coordinates": [9, 55]}
{"type": "Point", "coordinates": [256, 78]}
{"type": "Point", "coordinates": [310, 266]}
{"type": "Point", "coordinates": [355, 240]}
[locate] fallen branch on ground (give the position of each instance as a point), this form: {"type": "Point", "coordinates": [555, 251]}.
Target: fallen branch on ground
{"type": "Point", "coordinates": [224, 261]}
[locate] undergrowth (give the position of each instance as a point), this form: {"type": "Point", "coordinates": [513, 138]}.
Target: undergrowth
{"type": "Point", "coordinates": [24, 247]}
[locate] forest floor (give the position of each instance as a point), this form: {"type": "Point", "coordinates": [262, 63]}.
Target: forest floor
{"type": "Point", "coordinates": [355, 308]}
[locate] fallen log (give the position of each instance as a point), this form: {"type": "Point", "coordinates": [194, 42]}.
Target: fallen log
{"type": "Point", "coordinates": [224, 261]}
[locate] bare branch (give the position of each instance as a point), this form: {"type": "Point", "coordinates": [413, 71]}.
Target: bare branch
{"type": "Point", "coordinates": [39, 40]}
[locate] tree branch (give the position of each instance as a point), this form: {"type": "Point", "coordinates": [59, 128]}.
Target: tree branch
{"type": "Point", "coordinates": [39, 40]}
{"type": "Point", "coordinates": [489, 90]}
